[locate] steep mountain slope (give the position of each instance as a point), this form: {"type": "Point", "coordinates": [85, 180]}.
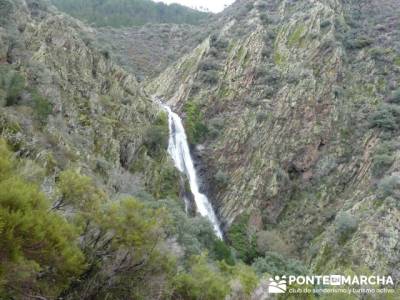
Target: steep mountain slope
{"type": "Point", "coordinates": [82, 96]}
{"type": "Point", "coordinates": [146, 51]}
{"type": "Point", "coordinates": [292, 109]}
{"type": "Point", "coordinates": [294, 104]}
{"type": "Point", "coordinates": [90, 204]}
{"type": "Point", "coordinates": [123, 13]}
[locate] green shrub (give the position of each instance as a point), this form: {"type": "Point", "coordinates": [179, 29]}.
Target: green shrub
{"type": "Point", "coordinates": [194, 234]}
{"type": "Point", "coordinates": [270, 36]}
{"type": "Point", "coordinates": [157, 135]}
{"type": "Point", "coordinates": [266, 52]}
{"type": "Point", "coordinates": [345, 226]}
{"type": "Point", "coordinates": [200, 282]}
{"type": "Point", "coordinates": [387, 117]}
{"type": "Point", "coordinates": [244, 243]}
{"type": "Point", "coordinates": [377, 53]}
{"type": "Point", "coordinates": [325, 24]}
{"type": "Point", "coordinates": [261, 5]}
{"type": "Point", "coordinates": [209, 77]}
{"type": "Point", "coordinates": [328, 43]}
{"type": "Point", "coordinates": [105, 53]}
{"type": "Point", "coordinates": [381, 163]}
{"type": "Point", "coordinates": [270, 76]}
{"type": "Point", "coordinates": [244, 274]}
{"type": "Point", "coordinates": [222, 252]}
{"type": "Point", "coordinates": [249, 6]}
{"type": "Point", "coordinates": [221, 179]}
{"type": "Point", "coordinates": [79, 192]}
{"type": "Point", "coordinates": [325, 166]}
{"type": "Point", "coordinates": [267, 92]}
{"type": "Point", "coordinates": [208, 64]}
{"type": "Point", "coordinates": [195, 127]}
{"type": "Point", "coordinates": [6, 8]}
{"type": "Point", "coordinates": [38, 248]}
{"type": "Point", "coordinates": [271, 241]}
{"type": "Point", "coordinates": [261, 116]}
{"type": "Point", "coordinates": [7, 164]}
{"type": "Point", "coordinates": [13, 84]}
{"type": "Point", "coordinates": [218, 43]}
{"type": "Point", "coordinates": [124, 238]}
{"type": "Point", "coordinates": [389, 187]}
{"type": "Point", "coordinates": [395, 97]}
{"type": "Point", "coordinates": [265, 18]}
{"type": "Point", "coordinates": [156, 140]}
{"type": "Point", "coordinates": [260, 71]}
{"type": "Point", "coordinates": [357, 43]}
{"type": "Point", "coordinates": [276, 264]}
{"type": "Point", "coordinates": [165, 180]}
{"type": "Point", "coordinates": [383, 158]}
{"type": "Point", "coordinates": [213, 132]}
{"type": "Point", "coordinates": [42, 107]}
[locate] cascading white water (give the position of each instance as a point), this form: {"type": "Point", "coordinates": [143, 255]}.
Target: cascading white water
{"type": "Point", "coordinates": [178, 148]}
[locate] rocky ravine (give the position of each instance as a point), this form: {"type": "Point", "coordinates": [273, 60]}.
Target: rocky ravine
{"type": "Point", "coordinates": [292, 94]}
{"type": "Point", "coordinates": [98, 116]}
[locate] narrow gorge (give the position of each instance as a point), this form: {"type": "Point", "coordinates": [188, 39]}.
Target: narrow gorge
{"type": "Point", "coordinates": [153, 151]}
{"type": "Point", "coordinates": [179, 150]}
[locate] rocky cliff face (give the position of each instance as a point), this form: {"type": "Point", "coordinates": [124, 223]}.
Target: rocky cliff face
{"type": "Point", "coordinates": [297, 100]}
{"type": "Point", "coordinates": [74, 108]}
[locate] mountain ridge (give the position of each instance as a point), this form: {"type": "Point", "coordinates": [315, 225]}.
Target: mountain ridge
{"type": "Point", "coordinates": [122, 13]}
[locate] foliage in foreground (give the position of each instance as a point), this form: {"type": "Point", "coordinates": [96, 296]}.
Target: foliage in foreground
{"type": "Point", "coordinates": [33, 240]}
{"type": "Point", "coordinates": [85, 246]}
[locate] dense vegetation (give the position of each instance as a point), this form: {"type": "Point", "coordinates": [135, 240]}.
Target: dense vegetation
{"type": "Point", "coordinates": [34, 240]}
{"type": "Point", "coordinates": [124, 13]}
{"type": "Point", "coordinates": [82, 245]}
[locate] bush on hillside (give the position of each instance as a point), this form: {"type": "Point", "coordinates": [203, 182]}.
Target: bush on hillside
{"type": "Point", "coordinates": [395, 97]}
{"type": "Point", "coordinates": [381, 163]}
{"type": "Point", "coordinates": [345, 226]}
{"type": "Point", "coordinates": [218, 43]}
{"type": "Point", "coordinates": [271, 241]}
{"type": "Point", "coordinates": [324, 24]}
{"type": "Point", "coordinates": [156, 136]}
{"type": "Point", "coordinates": [41, 106]}
{"type": "Point", "coordinates": [357, 43]}
{"type": "Point", "coordinates": [78, 191]}
{"type": "Point", "coordinates": [156, 139]}
{"type": "Point", "coordinates": [243, 242]}
{"type": "Point", "coordinates": [386, 117]}
{"type": "Point", "coordinates": [6, 8]}
{"type": "Point", "coordinates": [39, 246]}
{"type": "Point", "coordinates": [221, 179]}
{"type": "Point", "coordinates": [200, 282]}
{"type": "Point", "coordinates": [276, 264]}
{"type": "Point", "coordinates": [196, 129]}
{"type": "Point", "coordinates": [209, 77]}
{"type": "Point", "coordinates": [13, 84]}
{"type": "Point", "coordinates": [208, 64]}
{"type": "Point", "coordinates": [389, 186]}
{"type": "Point", "coordinates": [261, 116]}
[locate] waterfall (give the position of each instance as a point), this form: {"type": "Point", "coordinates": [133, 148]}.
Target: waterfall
{"type": "Point", "coordinates": [178, 148]}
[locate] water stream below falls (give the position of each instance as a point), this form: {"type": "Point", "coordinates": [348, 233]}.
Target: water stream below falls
{"type": "Point", "coordinates": [178, 148]}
